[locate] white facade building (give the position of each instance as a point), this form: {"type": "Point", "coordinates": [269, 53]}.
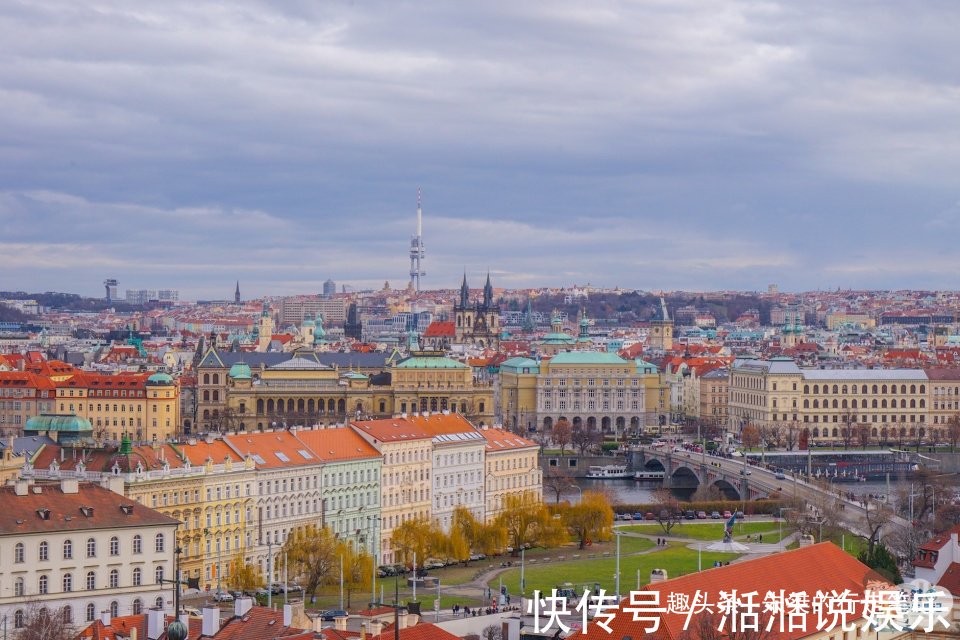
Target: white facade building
{"type": "Point", "coordinates": [80, 549]}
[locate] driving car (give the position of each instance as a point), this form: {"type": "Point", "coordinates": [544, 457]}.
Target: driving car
{"type": "Point", "coordinates": [781, 475]}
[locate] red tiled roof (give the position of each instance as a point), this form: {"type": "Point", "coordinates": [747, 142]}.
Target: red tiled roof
{"type": "Point", "coordinates": [260, 623]}
{"type": "Point", "coordinates": [391, 429]}
{"type": "Point", "coordinates": [423, 631]}
{"type": "Point", "coordinates": [268, 444]}
{"type": "Point", "coordinates": [22, 514]}
{"type": "Point", "coordinates": [500, 440]}
{"type": "Point", "coordinates": [950, 580]}
{"type": "Point", "coordinates": [440, 330]}
{"type": "Point", "coordinates": [821, 567]}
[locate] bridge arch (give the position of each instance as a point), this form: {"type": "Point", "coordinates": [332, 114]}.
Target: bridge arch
{"type": "Point", "coordinates": [729, 491]}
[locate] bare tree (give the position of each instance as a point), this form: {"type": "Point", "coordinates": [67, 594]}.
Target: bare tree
{"type": "Point", "coordinates": [707, 493]}
{"type": "Point", "coordinates": [864, 434]}
{"type": "Point", "coordinates": [583, 437]}
{"type": "Point", "coordinates": [561, 434]}
{"type": "Point", "coordinates": [877, 516]}
{"type": "Point", "coordinates": [904, 541]}
{"type": "Point", "coordinates": [791, 435]}
{"type": "Point", "coordinates": [666, 509]}
{"type": "Point", "coordinates": [558, 482]}
{"type": "Point", "coordinates": [492, 632]}
{"type": "Point", "coordinates": [42, 623]}
{"type": "Point", "coordinates": [953, 430]}
{"type": "Point", "coordinates": [542, 438]}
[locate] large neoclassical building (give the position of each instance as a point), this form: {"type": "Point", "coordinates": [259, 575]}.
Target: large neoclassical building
{"type": "Point", "coordinates": [257, 390]}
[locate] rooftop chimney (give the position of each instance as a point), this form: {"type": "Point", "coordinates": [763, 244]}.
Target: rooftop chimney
{"type": "Point", "coordinates": [340, 624]}
{"type": "Point", "coordinates": [155, 626]}
{"type": "Point", "coordinates": [208, 438]}
{"type": "Point", "coordinates": [376, 627]}
{"type": "Point", "coordinates": [287, 615]}
{"type": "Point", "coordinates": [658, 575]}
{"type": "Point", "coordinates": [20, 487]}
{"type": "Point", "coordinates": [241, 606]}
{"type": "Point", "coordinates": [70, 485]}
{"type": "Point", "coordinates": [105, 617]}
{"type": "Point", "coordinates": [211, 621]}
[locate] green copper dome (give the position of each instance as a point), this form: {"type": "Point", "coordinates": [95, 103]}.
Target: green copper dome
{"type": "Point", "coordinates": [160, 379]}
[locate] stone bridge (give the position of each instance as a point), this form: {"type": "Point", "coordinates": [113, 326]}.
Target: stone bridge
{"type": "Point", "coordinates": [688, 470]}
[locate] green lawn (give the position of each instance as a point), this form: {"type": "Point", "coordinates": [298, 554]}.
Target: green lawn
{"type": "Point", "coordinates": [712, 530]}
{"type": "Point", "coordinates": [677, 560]}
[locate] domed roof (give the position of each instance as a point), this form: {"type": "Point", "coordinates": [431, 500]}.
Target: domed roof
{"type": "Point", "coordinates": [65, 423]}
{"type": "Point", "coordinates": [160, 379]}
{"type": "Point", "coordinates": [240, 371]}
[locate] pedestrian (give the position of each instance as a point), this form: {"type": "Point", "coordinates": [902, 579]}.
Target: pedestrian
{"type": "Point", "coordinates": [759, 537]}
{"type": "Point", "coordinates": [748, 537]}
{"type": "Point", "coordinates": [508, 598]}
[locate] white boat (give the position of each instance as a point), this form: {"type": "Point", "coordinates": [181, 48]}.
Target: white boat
{"type": "Point", "coordinates": [608, 472]}
{"type": "Point", "coordinates": [649, 475]}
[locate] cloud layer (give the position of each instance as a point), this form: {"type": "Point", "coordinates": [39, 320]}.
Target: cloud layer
{"type": "Point", "coordinates": [658, 145]}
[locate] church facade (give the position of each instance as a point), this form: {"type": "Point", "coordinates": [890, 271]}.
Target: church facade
{"type": "Point", "coordinates": [477, 323]}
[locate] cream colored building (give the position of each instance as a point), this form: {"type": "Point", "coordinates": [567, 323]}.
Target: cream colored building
{"type": "Point", "coordinates": [889, 403]}
{"type": "Point", "coordinates": [512, 469]}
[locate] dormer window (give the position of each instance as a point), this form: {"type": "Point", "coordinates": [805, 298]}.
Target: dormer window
{"type": "Point", "coordinates": [127, 509]}
{"type": "Point", "coordinates": [43, 513]}
{"type": "Point", "coordinates": [87, 511]}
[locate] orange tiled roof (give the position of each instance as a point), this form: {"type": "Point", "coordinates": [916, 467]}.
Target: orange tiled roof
{"type": "Point", "coordinates": [500, 440]}
{"type": "Point", "coordinates": [337, 444]}
{"type": "Point", "coordinates": [950, 580]}
{"type": "Point", "coordinates": [276, 449]}
{"type": "Point", "coordinates": [391, 429]}
{"type": "Point", "coordinates": [423, 631]}
{"type": "Point", "coordinates": [823, 567]}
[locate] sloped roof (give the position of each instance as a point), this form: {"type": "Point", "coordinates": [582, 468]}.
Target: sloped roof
{"type": "Point", "coordinates": [822, 567]}
{"type": "Point", "coordinates": [21, 514]}
{"type": "Point", "coordinates": [272, 449]}
{"type": "Point", "coordinates": [440, 330]}
{"type": "Point", "coordinates": [333, 445]}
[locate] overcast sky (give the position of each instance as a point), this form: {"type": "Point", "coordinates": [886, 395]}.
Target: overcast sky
{"type": "Point", "coordinates": [674, 144]}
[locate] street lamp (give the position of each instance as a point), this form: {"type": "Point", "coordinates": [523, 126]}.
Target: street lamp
{"type": "Point", "coordinates": [577, 487]}
{"type": "Point", "coordinates": [372, 524]}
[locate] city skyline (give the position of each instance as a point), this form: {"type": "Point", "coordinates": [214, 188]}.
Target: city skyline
{"type": "Point", "coordinates": [673, 147]}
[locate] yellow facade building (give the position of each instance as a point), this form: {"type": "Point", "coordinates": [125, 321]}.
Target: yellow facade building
{"type": "Point", "coordinates": [512, 469]}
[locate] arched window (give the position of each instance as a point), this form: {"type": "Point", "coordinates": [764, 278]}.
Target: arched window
{"type": "Point", "coordinates": [843, 389]}
{"type": "Point", "coordinates": [883, 403]}
{"type": "Point", "coordinates": [114, 578]}
{"type": "Point", "coordinates": [91, 547]}
{"type": "Point", "coordinates": [216, 378]}
{"type": "Point", "coordinates": [816, 403]}
{"type": "Point", "coordinates": [806, 403]}
{"type": "Point", "coordinates": [863, 403]}
{"type": "Point", "coordinates": [66, 614]}
{"type": "Point", "coordinates": [923, 388]}
{"type": "Point", "coordinates": [206, 378]}
{"type": "Point", "coordinates": [43, 585]}
{"type": "Point", "coordinates": [835, 432]}
{"type": "Point", "coordinates": [816, 388]}
{"type": "Point", "coordinates": [18, 552]}
{"type": "Point", "coordinates": [67, 582]}
{"type": "Point", "coordinates": [903, 389]}
{"type": "Point", "coordinates": [114, 609]}
{"type": "Point", "coordinates": [159, 602]}
{"type": "Point", "coordinates": [44, 551]}
{"type": "Point", "coordinates": [91, 612]}
{"type": "Point", "coordinates": [114, 546]}
{"type": "Point", "coordinates": [158, 573]}
{"type": "Point", "coordinates": [806, 388]}
{"type": "Point", "coordinates": [913, 388]}
{"type": "Point", "coordinates": [18, 620]}
{"type": "Point", "coordinates": [923, 403]}
{"type": "Point", "coordinates": [913, 404]}
{"type": "Point", "coordinates": [835, 403]}
{"type": "Point", "coordinates": [68, 549]}
{"type": "Point", "coordinates": [816, 432]}
{"type": "Point", "coordinates": [137, 606]}
{"type": "Point", "coordinates": [19, 589]}
{"type": "Point", "coordinates": [137, 577]}
{"type": "Point", "coordinates": [835, 389]}
{"type": "Point", "coordinates": [137, 544]}
{"type": "Point", "coordinates": [91, 580]}
{"type": "Point", "coordinates": [206, 395]}
{"type": "Point", "coordinates": [160, 543]}
{"type": "Point", "coordinates": [843, 404]}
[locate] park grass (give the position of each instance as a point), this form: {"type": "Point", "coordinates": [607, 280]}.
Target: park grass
{"type": "Point", "coordinates": [712, 530]}
{"type": "Point", "coordinates": [677, 560]}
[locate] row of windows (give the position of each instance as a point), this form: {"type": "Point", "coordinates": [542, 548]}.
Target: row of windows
{"type": "Point", "coordinates": [875, 404]}
{"type": "Point", "coordinates": [43, 549]}
{"type": "Point", "coordinates": [67, 582]}
{"type": "Point", "coordinates": [861, 389]}
{"type": "Point", "coordinates": [65, 613]}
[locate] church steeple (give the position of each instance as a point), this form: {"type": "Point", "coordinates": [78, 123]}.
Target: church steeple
{"type": "Point", "coordinates": [236, 294]}
{"type": "Point", "coordinates": [488, 293]}
{"type": "Point", "coordinates": [464, 293]}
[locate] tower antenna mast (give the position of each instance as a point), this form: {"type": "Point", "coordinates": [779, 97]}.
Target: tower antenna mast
{"type": "Point", "coordinates": [416, 250]}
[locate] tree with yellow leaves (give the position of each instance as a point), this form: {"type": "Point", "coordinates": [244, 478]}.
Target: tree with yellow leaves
{"type": "Point", "coordinates": [481, 536]}
{"type": "Point", "coordinates": [312, 556]}
{"type": "Point", "coordinates": [591, 518]}
{"type": "Point", "coordinates": [357, 566]}
{"type": "Point", "coordinates": [528, 523]}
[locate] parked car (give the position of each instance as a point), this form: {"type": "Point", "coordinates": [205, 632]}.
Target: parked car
{"type": "Point", "coordinates": [701, 515]}
{"type": "Point", "coordinates": [638, 516]}
{"type": "Point", "coordinates": [434, 564]}
{"type": "Point", "coordinates": [222, 596]}
{"type": "Point", "coordinates": [726, 515]}
{"type": "Point", "coordinates": [649, 515]}
{"type": "Point", "coordinates": [333, 614]}
{"type": "Point", "coordinates": [715, 515]}
{"type": "Point", "coordinates": [739, 515]}
{"type": "Point", "coordinates": [193, 612]}
{"type": "Point", "coordinates": [690, 514]}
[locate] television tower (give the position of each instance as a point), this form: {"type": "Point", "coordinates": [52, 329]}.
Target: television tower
{"type": "Point", "coordinates": [416, 250]}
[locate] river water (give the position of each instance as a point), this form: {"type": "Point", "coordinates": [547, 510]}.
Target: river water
{"type": "Point", "coordinates": [631, 491]}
